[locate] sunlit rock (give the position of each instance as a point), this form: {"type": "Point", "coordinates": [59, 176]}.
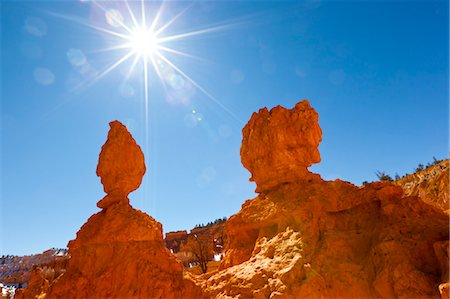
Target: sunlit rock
{"type": "Point", "coordinates": [352, 242]}
{"type": "Point", "coordinates": [119, 252]}
{"type": "Point", "coordinates": [121, 165]}
{"type": "Point", "coordinates": [279, 145]}
{"type": "Point", "coordinates": [301, 237]}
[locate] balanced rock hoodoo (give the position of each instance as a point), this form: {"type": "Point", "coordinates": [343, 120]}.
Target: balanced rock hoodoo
{"type": "Point", "coordinates": [119, 252]}
{"type": "Point", "coordinates": [120, 166]}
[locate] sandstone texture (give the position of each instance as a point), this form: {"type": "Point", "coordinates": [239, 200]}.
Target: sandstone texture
{"type": "Point", "coordinates": [37, 286]}
{"type": "Point", "coordinates": [16, 270]}
{"type": "Point", "coordinates": [280, 144]}
{"type": "Point", "coordinates": [301, 237]}
{"type": "Point", "coordinates": [119, 252]}
{"type": "Point", "coordinates": [121, 165]}
{"type": "Point", "coordinates": [430, 185]}
{"type": "Point", "coordinates": [345, 241]}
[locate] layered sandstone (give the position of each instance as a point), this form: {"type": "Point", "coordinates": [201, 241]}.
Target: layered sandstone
{"type": "Point", "coordinates": [350, 242]}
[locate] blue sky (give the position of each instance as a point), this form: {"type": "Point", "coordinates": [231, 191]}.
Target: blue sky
{"type": "Point", "coordinates": [376, 72]}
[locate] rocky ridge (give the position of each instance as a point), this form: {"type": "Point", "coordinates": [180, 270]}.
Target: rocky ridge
{"type": "Point", "coordinates": [15, 270]}
{"type": "Point", "coordinates": [356, 242]}
{"type": "Point", "coordinates": [301, 237]}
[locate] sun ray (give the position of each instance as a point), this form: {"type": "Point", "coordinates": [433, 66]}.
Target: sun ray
{"type": "Point", "coordinates": [200, 88]}
{"type": "Point", "coordinates": [84, 23]}
{"type": "Point", "coordinates": [112, 67]}
{"type": "Point", "coordinates": [158, 73]}
{"type": "Point", "coordinates": [147, 44]}
{"type": "Point", "coordinates": [146, 121]}
{"type": "Point", "coordinates": [133, 17]}
{"type": "Point", "coordinates": [194, 33]}
{"type": "Point", "coordinates": [146, 88]}
{"type": "Point", "coordinates": [133, 65]}
{"type": "Point", "coordinates": [167, 49]}
{"type": "Point", "coordinates": [165, 26]}
{"type": "Point", "coordinates": [110, 49]}
{"type": "Point", "coordinates": [156, 67]}
{"type": "Point", "coordinates": [156, 19]}
{"type": "Point", "coordinates": [89, 81]}
{"type": "Point", "coordinates": [143, 21]}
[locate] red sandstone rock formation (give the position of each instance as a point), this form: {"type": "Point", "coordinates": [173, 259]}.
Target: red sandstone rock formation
{"type": "Point", "coordinates": [121, 165]}
{"type": "Point", "coordinates": [430, 185]}
{"type": "Point", "coordinates": [280, 144]}
{"type": "Point", "coordinates": [119, 252]}
{"type": "Point", "coordinates": [17, 269]}
{"type": "Point", "coordinates": [301, 237]}
{"type": "Point", "coordinates": [333, 239]}
{"type": "Point", "coordinates": [37, 285]}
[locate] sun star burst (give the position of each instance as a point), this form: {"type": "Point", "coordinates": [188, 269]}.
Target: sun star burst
{"type": "Point", "coordinates": [143, 42]}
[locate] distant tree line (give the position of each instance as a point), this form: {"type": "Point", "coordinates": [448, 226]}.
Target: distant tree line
{"type": "Point", "coordinates": [383, 176]}
{"type": "Point", "coordinates": [8, 256]}
{"type": "Point", "coordinates": [58, 249]}
{"type": "Point", "coordinates": [217, 221]}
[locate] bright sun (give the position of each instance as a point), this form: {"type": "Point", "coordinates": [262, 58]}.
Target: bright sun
{"type": "Point", "coordinates": [144, 42]}
{"type": "Point", "coordinates": [148, 43]}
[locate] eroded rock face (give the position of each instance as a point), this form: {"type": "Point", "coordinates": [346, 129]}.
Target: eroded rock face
{"type": "Point", "coordinates": [430, 185]}
{"type": "Point", "coordinates": [119, 252]}
{"type": "Point", "coordinates": [37, 285]}
{"type": "Point", "coordinates": [356, 242]}
{"type": "Point", "coordinates": [301, 237]}
{"type": "Point", "coordinates": [279, 145]}
{"type": "Point", "coordinates": [274, 266]}
{"type": "Point", "coordinates": [121, 165]}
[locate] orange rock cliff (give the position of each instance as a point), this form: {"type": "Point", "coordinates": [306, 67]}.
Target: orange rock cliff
{"type": "Point", "coordinates": [301, 237]}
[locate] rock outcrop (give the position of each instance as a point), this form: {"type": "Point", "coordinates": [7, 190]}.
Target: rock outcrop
{"type": "Point", "coordinates": [350, 242]}
{"type": "Point", "coordinates": [301, 237]}
{"type": "Point", "coordinates": [119, 252]}
{"type": "Point", "coordinates": [37, 286]}
{"type": "Point", "coordinates": [120, 166]}
{"type": "Point", "coordinates": [430, 184]}
{"type": "Point", "coordinates": [16, 270]}
{"type": "Point", "coordinates": [279, 145]}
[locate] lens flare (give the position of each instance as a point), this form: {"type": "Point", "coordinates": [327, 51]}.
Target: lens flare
{"type": "Point", "coordinates": [144, 40]}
